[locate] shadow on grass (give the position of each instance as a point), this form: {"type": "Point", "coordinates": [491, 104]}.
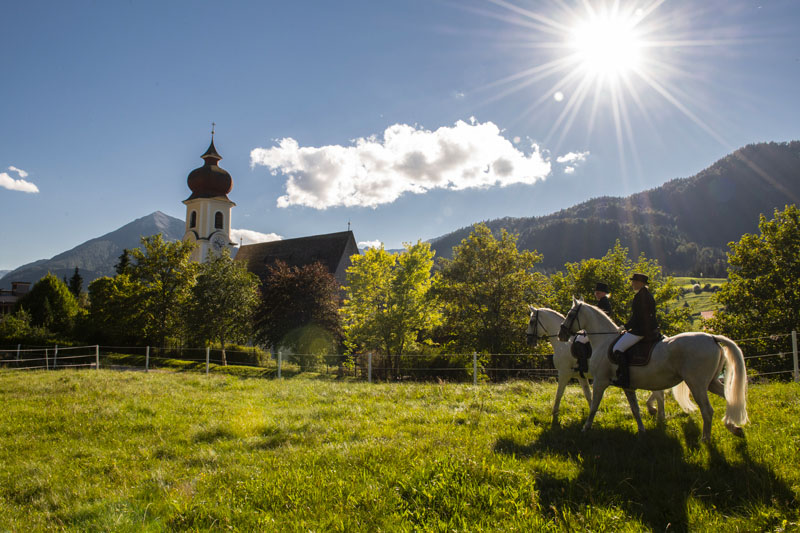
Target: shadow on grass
{"type": "Point", "coordinates": [649, 477]}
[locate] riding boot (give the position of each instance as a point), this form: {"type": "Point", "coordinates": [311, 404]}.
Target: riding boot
{"type": "Point", "coordinates": [623, 371]}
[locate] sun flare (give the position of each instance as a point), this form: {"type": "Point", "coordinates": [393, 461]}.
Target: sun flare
{"type": "Point", "coordinates": [607, 45]}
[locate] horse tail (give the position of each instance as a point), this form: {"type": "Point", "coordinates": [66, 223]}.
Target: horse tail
{"type": "Point", "coordinates": [735, 383]}
{"type": "Point", "coordinates": [681, 394]}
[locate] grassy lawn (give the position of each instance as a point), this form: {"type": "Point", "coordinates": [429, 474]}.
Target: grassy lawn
{"type": "Point", "coordinates": [128, 451]}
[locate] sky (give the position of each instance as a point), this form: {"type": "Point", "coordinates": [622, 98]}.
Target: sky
{"type": "Point", "coordinates": [405, 120]}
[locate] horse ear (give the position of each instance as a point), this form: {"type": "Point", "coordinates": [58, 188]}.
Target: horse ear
{"type": "Point", "coordinates": [574, 301]}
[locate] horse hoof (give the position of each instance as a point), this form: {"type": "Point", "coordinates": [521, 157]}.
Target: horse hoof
{"type": "Point", "coordinates": [652, 410]}
{"type": "Point", "coordinates": [736, 430]}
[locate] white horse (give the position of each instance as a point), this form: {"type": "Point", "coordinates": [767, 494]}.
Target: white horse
{"type": "Point", "coordinates": [696, 358]}
{"type": "Point", "coordinates": [546, 323]}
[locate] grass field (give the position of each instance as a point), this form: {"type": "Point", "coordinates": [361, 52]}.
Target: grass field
{"type": "Point", "coordinates": [705, 301]}
{"type": "Point", "coordinates": [128, 451]}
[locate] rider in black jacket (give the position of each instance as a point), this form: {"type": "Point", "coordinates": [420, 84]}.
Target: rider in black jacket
{"type": "Point", "coordinates": [642, 325]}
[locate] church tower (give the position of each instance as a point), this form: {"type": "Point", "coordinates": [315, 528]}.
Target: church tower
{"type": "Point", "coordinates": [208, 209]}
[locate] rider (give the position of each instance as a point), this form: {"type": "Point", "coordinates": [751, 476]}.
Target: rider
{"type": "Point", "coordinates": [601, 294]}
{"type": "Point", "coordinates": [643, 324]}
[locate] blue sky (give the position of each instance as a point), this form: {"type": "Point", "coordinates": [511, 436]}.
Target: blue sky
{"type": "Point", "coordinates": [408, 119]}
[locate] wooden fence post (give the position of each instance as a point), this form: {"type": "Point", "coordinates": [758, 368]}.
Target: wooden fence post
{"type": "Point", "coordinates": [18, 347]}
{"type": "Point", "coordinates": [208, 352]}
{"type": "Point", "coordinates": [280, 362]}
{"type": "Point", "coordinates": [474, 368]}
{"type": "Point", "coordinates": [97, 356]}
{"type": "Point", "coordinates": [369, 367]}
{"type": "Point", "coordinates": [55, 357]}
{"type": "Point", "coordinates": [794, 353]}
{"type": "Point", "coordinates": [46, 360]}
{"type": "Point", "coordinates": [147, 360]}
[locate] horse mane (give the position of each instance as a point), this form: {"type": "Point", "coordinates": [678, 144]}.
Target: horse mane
{"type": "Point", "coordinates": [600, 312]}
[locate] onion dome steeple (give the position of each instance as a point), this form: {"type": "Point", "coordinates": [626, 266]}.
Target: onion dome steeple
{"type": "Point", "coordinates": [210, 181]}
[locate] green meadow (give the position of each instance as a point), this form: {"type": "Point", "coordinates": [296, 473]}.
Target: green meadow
{"type": "Point", "coordinates": [704, 301]}
{"type": "Point", "coordinates": [173, 451]}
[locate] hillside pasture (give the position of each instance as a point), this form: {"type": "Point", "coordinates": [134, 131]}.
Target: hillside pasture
{"type": "Point", "coordinates": [128, 451]}
{"type": "Point", "coordinates": [699, 302]}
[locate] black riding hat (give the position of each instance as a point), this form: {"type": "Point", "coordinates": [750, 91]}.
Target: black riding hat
{"type": "Point", "coordinates": [602, 287]}
{"type": "Point", "coordinates": [639, 277]}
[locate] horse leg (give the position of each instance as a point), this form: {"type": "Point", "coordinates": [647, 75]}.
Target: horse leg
{"type": "Point", "coordinates": [716, 387]}
{"type": "Point", "coordinates": [655, 405]}
{"type": "Point", "coordinates": [634, 403]}
{"type": "Point", "coordinates": [701, 397]}
{"type": "Point", "coordinates": [563, 379]}
{"type": "Point", "coordinates": [587, 391]}
{"type": "Point", "coordinates": [597, 395]}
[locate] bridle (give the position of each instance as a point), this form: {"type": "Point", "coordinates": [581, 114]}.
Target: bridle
{"type": "Point", "coordinates": [536, 322]}
{"type": "Point", "coordinates": [572, 317]}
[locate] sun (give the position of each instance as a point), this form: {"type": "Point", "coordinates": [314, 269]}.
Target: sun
{"type": "Point", "coordinates": [607, 45]}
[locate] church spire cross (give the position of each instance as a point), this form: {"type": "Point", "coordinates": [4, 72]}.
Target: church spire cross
{"type": "Point", "coordinates": [213, 125]}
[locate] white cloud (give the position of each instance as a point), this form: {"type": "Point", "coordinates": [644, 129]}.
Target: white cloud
{"type": "Point", "coordinates": [249, 236]}
{"type": "Point", "coordinates": [572, 157]}
{"type": "Point", "coordinates": [569, 170]}
{"type": "Point", "coordinates": [407, 159]}
{"type": "Point", "coordinates": [370, 244]}
{"type": "Point", "coordinates": [22, 173]}
{"type": "Point", "coordinates": [7, 182]}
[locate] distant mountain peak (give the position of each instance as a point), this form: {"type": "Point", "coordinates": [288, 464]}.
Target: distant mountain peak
{"type": "Point", "coordinates": [97, 257]}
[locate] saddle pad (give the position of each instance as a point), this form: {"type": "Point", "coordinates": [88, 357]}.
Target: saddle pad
{"type": "Point", "coordinates": [639, 353]}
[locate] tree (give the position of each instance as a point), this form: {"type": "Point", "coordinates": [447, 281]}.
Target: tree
{"type": "Point", "coordinates": [114, 314]}
{"type": "Point", "coordinates": [299, 310]}
{"type": "Point", "coordinates": [50, 304]}
{"type": "Point", "coordinates": [485, 290]}
{"type": "Point", "coordinates": [615, 269]}
{"type": "Point", "coordinates": [124, 262]}
{"type": "Point", "coordinates": [16, 328]}
{"type": "Point", "coordinates": [76, 284]}
{"type": "Point", "coordinates": [224, 299]}
{"type": "Point", "coordinates": [387, 306]}
{"type": "Point", "coordinates": [165, 273]}
{"type": "Point", "coordinates": [762, 296]}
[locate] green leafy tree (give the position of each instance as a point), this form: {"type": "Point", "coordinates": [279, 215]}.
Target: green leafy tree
{"type": "Point", "coordinates": [114, 314]}
{"type": "Point", "coordinates": [76, 284]}
{"type": "Point", "coordinates": [165, 273]}
{"type": "Point", "coordinates": [50, 304]}
{"type": "Point", "coordinates": [224, 300]}
{"type": "Point", "coordinates": [16, 328]}
{"type": "Point", "coordinates": [615, 269]}
{"type": "Point", "coordinates": [299, 310]}
{"type": "Point", "coordinates": [762, 296]}
{"type": "Point", "coordinates": [387, 307]}
{"type": "Point", "coordinates": [485, 290]}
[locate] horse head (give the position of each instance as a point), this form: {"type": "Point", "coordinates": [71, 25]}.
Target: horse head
{"type": "Point", "coordinates": [572, 323]}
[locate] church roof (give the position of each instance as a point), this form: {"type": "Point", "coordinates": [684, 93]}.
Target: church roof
{"type": "Point", "coordinates": [333, 250]}
{"type": "Point", "coordinates": [209, 181]}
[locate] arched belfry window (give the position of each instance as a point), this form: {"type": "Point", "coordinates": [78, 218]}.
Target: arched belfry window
{"type": "Point", "coordinates": [218, 220]}
{"type": "Point", "coordinates": [193, 219]}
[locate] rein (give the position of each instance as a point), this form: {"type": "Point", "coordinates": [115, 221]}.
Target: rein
{"type": "Point", "coordinates": [536, 325]}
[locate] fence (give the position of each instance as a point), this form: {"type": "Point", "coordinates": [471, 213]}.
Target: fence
{"type": "Point", "coordinates": [447, 367]}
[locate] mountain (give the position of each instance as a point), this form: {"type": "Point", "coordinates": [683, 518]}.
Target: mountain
{"type": "Point", "coordinates": [686, 224]}
{"type": "Point", "coordinates": [97, 257]}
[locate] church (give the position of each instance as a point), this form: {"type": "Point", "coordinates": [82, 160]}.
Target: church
{"type": "Point", "coordinates": [208, 225]}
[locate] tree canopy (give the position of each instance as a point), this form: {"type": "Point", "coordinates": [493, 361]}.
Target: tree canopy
{"type": "Point", "coordinates": [299, 309]}
{"type": "Point", "coordinates": [387, 309]}
{"type": "Point", "coordinates": [50, 304]}
{"type": "Point", "coordinates": [485, 290]}
{"type": "Point", "coordinates": [224, 299]}
{"type": "Point", "coordinates": [762, 296]}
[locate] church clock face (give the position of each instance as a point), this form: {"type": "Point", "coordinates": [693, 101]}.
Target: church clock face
{"type": "Point", "coordinates": [218, 242]}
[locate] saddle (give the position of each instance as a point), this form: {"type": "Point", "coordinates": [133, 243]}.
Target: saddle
{"type": "Point", "coordinates": [638, 354]}
{"type": "Point", "coordinates": [582, 352]}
